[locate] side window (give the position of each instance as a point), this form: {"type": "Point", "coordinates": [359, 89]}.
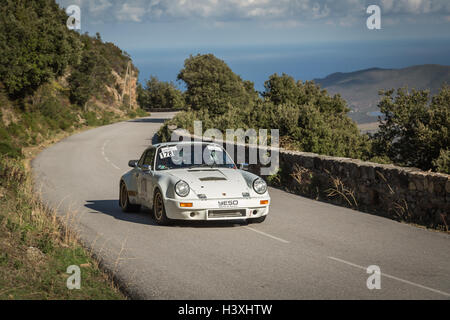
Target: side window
{"type": "Point", "coordinates": [141, 161]}
{"type": "Point", "coordinates": [149, 157]}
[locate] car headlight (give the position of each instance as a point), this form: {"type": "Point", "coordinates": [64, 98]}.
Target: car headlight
{"type": "Point", "coordinates": [260, 186]}
{"type": "Point", "coordinates": [182, 188]}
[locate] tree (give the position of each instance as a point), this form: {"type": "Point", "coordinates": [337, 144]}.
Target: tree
{"type": "Point", "coordinates": [442, 163]}
{"type": "Point", "coordinates": [159, 94]}
{"type": "Point", "coordinates": [89, 78]}
{"type": "Point", "coordinates": [285, 90]}
{"type": "Point", "coordinates": [281, 89]}
{"type": "Point", "coordinates": [213, 86]}
{"type": "Point", "coordinates": [310, 119]}
{"type": "Point", "coordinates": [414, 131]}
{"type": "Point", "coordinates": [35, 44]}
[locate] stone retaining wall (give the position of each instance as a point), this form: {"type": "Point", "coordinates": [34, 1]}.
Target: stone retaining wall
{"type": "Point", "coordinates": [405, 194]}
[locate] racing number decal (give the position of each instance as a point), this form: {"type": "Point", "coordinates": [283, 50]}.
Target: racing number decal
{"type": "Point", "coordinates": [168, 152]}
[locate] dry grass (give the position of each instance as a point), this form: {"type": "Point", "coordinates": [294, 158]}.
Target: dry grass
{"type": "Point", "coordinates": [309, 184]}
{"type": "Point", "coordinates": [305, 181]}
{"type": "Point", "coordinates": [444, 217]}
{"type": "Point", "coordinates": [391, 191]}
{"type": "Point", "coordinates": [339, 189]}
{"type": "Point", "coordinates": [401, 210]}
{"type": "Point", "coordinates": [36, 246]}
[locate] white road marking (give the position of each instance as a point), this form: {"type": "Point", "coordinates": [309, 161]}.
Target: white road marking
{"type": "Point", "coordinates": [266, 234]}
{"type": "Point", "coordinates": [115, 166]}
{"type": "Point", "coordinates": [106, 158]}
{"type": "Point", "coordinates": [394, 278]}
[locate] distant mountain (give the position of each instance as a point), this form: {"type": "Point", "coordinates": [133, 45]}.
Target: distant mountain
{"type": "Point", "coordinates": [360, 88]}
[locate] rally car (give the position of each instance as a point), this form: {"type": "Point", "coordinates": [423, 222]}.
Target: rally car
{"type": "Point", "coordinates": [193, 181]}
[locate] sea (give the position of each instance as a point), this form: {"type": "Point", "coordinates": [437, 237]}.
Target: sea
{"type": "Point", "coordinates": [302, 61]}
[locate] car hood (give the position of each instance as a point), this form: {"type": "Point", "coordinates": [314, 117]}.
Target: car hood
{"type": "Point", "coordinates": [215, 183]}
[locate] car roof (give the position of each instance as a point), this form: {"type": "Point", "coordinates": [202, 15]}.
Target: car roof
{"type": "Point", "coordinates": [177, 143]}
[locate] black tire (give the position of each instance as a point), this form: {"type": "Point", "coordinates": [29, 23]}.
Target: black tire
{"type": "Point", "coordinates": [257, 220]}
{"type": "Point", "coordinates": [124, 201]}
{"type": "Point", "coordinates": [159, 211]}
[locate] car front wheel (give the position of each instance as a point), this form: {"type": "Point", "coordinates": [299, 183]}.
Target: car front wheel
{"type": "Point", "coordinates": [159, 211]}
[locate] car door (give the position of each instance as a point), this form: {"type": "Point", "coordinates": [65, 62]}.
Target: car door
{"type": "Point", "coordinates": [138, 175]}
{"type": "Point", "coordinates": [146, 178]}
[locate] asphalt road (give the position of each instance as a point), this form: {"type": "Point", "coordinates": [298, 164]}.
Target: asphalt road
{"type": "Point", "coordinates": [304, 250]}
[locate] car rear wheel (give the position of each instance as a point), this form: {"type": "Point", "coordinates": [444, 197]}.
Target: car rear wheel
{"type": "Point", "coordinates": [124, 201]}
{"type": "Point", "coordinates": [159, 211]}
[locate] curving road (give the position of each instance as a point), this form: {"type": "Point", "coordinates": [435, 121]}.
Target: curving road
{"type": "Point", "coordinates": [305, 249]}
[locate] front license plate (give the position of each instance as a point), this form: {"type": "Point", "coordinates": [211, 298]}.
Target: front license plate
{"type": "Point", "coordinates": [228, 203]}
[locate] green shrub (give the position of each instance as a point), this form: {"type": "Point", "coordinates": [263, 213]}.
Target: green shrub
{"type": "Point", "coordinates": [159, 94]}
{"type": "Point", "coordinates": [4, 258]}
{"type": "Point", "coordinates": [415, 130]}
{"type": "Point", "coordinates": [91, 118]}
{"type": "Point", "coordinates": [442, 163]}
{"type": "Point", "coordinates": [141, 112]}
{"type": "Point", "coordinates": [213, 86]}
{"type": "Point", "coordinates": [89, 78]}
{"type": "Point", "coordinates": [45, 243]}
{"type": "Point", "coordinates": [9, 150]}
{"type": "Point", "coordinates": [35, 47]}
{"type": "Point", "coordinates": [4, 134]}
{"type": "Point", "coordinates": [132, 114]}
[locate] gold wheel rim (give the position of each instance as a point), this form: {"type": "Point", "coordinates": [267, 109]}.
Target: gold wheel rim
{"type": "Point", "coordinates": [123, 197]}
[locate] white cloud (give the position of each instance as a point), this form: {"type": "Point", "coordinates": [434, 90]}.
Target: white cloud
{"type": "Point", "coordinates": [130, 13]}
{"type": "Point", "coordinates": [99, 6]}
{"type": "Point", "coordinates": [280, 12]}
{"type": "Point", "coordinates": [415, 6]}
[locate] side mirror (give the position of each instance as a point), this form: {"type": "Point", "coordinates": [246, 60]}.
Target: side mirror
{"type": "Point", "coordinates": [132, 163]}
{"type": "Point", "coordinates": [243, 166]}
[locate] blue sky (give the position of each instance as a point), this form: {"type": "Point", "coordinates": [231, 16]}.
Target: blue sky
{"type": "Point", "coordinates": [251, 34]}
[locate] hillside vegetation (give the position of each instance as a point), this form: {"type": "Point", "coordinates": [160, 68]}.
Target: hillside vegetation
{"type": "Point", "coordinates": [54, 79]}
{"type": "Point", "coordinates": [53, 82]}
{"type": "Point", "coordinates": [413, 132]}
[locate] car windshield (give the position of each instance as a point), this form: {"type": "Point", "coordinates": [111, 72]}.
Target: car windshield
{"type": "Point", "coordinates": [192, 156]}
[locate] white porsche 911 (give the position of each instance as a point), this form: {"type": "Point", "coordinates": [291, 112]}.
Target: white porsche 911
{"type": "Point", "coordinates": [193, 181]}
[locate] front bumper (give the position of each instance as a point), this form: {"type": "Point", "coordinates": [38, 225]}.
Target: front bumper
{"type": "Point", "coordinates": [209, 209]}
